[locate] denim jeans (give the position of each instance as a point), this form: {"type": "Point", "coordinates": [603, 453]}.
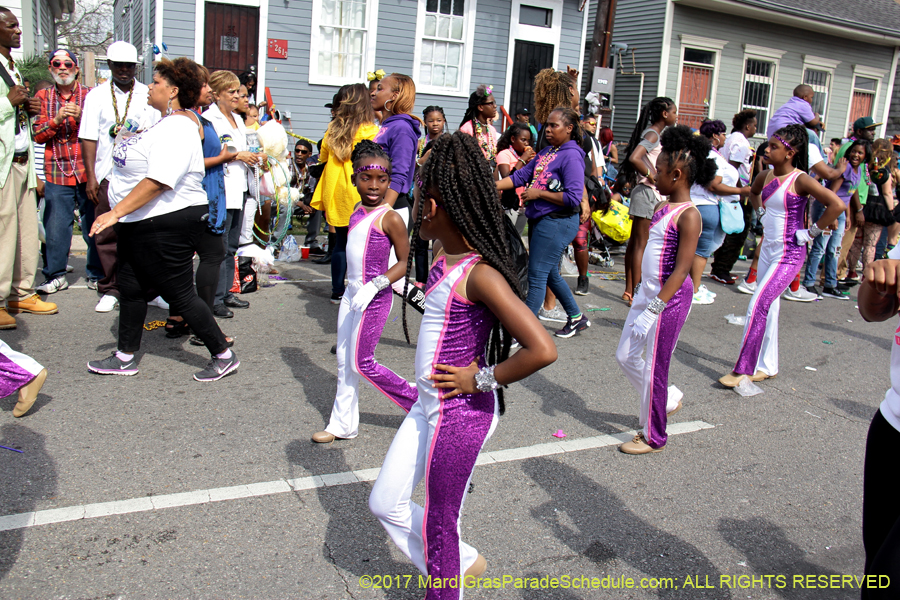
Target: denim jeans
{"type": "Point", "coordinates": [548, 239]}
{"type": "Point", "coordinates": [827, 245]}
{"type": "Point", "coordinates": [60, 202]}
{"type": "Point", "coordinates": [233, 223]}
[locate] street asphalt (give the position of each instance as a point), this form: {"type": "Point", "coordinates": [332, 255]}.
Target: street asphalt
{"type": "Point", "coordinates": [758, 494]}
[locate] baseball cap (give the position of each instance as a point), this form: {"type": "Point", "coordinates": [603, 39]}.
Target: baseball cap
{"type": "Point", "coordinates": [67, 52]}
{"type": "Point", "coordinates": [335, 101]}
{"type": "Point", "coordinates": [864, 123]}
{"type": "Point", "coordinates": [121, 52]}
{"type": "Point", "coordinates": [523, 111]}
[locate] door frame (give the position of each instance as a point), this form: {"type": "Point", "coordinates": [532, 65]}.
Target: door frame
{"type": "Point", "coordinates": [261, 51]}
{"type": "Point", "coordinates": [528, 33]}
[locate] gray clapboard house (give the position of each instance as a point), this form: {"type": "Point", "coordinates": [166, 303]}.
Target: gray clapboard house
{"type": "Point", "coordinates": [717, 57]}
{"type": "Point", "coordinates": [303, 50]}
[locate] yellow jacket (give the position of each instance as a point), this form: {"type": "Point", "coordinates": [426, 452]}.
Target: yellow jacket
{"type": "Point", "coordinates": [335, 193]}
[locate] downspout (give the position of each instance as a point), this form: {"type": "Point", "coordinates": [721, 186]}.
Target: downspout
{"type": "Point", "coordinates": [148, 45]}
{"type": "Point", "coordinates": [634, 71]}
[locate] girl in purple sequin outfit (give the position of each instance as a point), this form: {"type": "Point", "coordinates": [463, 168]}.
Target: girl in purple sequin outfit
{"type": "Point", "coordinates": [780, 196]}
{"type": "Point", "coordinates": [373, 229]}
{"type": "Point", "coordinates": [472, 309]}
{"type": "Point", "coordinates": [662, 302]}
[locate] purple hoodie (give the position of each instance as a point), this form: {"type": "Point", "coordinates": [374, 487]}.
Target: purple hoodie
{"type": "Point", "coordinates": [566, 167]}
{"type": "Point", "coordinates": [399, 136]}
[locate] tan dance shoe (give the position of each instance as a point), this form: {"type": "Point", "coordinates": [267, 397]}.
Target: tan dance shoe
{"type": "Point", "coordinates": [639, 445]}
{"type": "Point", "coordinates": [760, 376]}
{"type": "Point", "coordinates": [477, 569]}
{"type": "Point", "coordinates": [731, 380]}
{"type": "Point", "coordinates": [323, 437]}
{"type": "Point", "coordinates": [29, 393]}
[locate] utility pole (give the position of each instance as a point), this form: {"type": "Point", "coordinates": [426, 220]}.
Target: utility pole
{"type": "Point", "coordinates": [602, 38]}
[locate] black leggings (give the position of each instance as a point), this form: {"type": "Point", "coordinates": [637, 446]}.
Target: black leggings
{"type": "Point", "coordinates": [339, 260]}
{"type": "Point", "coordinates": [155, 255]}
{"type": "Point", "coordinates": [211, 250]}
{"type": "Point", "coordinates": [730, 250]}
{"type": "Point", "coordinates": [881, 509]}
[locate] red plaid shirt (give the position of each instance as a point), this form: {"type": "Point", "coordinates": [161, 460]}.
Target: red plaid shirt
{"type": "Point", "coordinates": [67, 168]}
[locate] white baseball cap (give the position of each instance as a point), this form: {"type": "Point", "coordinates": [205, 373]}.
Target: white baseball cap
{"type": "Point", "coordinates": [122, 52]}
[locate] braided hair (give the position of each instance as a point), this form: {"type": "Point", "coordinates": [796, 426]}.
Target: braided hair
{"type": "Point", "coordinates": [796, 136]}
{"type": "Point", "coordinates": [682, 149]}
{"type": "Point", "coordinates": [512, 131]}
{"type": "Point", "coordinates": [476, 99]}
{"type": "Point", "coordinates": [458, 170]}
{"type": "Point", "coordinates": [431, 109]}
{"type": "Point", "coordinates": [368, 149]}
{"type": "Point", "coordinates": [570, 117]}
{"type": "Point", "coordinates": [651, 113]}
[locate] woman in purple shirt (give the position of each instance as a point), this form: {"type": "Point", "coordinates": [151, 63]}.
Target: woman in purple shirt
{"type": "Point", "coordinates": [554, 182]}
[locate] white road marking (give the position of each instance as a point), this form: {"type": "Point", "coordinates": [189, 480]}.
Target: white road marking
{"type": "Point", "coordinates": [281, 486]}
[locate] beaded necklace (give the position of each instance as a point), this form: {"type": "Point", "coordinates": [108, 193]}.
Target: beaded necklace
{"type": "Point", "coordinates": [541, 165]}
{"type": "Point", "coordinates": [485, 139]}
{"type": "Point", "coordinates": [114, 130]}
{"type": "Point", "coordinates": [55, 98]}
{"type": "Point", "coordinates": [21, 113]}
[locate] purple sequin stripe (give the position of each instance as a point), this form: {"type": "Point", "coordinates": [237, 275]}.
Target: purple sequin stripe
{"type": "Point", "coordinates": [13, 377]}
{"type": "Point", "coordinates": [371, 326]}
{"type": "Point", "coordinates": [671, 320]}
{"type": "Point", "coordinates": [461, 431]}
{"type": "Point", "coordinates": [770, 288]}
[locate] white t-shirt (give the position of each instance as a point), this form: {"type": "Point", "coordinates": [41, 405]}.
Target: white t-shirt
{"type": "Point", "coordinates": [815, 157]}
{"type": "Point", "coordinates": [171, 152]}
{"type": "Point", "coordinates": [890, 407]}
{"type": "Point", "coordinates": [737, 149]}
{"type": "Point", "coordinates": [98, 115]}
{"type": "Point", "coordinates": [702, 196]}
{"type": "Point", "coordinates": [236, 171]}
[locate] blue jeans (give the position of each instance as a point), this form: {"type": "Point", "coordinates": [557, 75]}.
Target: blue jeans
{"type": "Point", "coordinates": [827, 245]}
{"type": "Point", "coordinates": [548, 239]}
{"type": "Point", "coordinates": [60, 202]}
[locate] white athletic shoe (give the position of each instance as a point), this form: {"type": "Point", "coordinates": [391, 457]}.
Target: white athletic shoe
{"type": "Point", "coordinates": [159, 303]}
{"type": "Point", "coordinates": [706, 291]}
{"type": "Point", "coordinates": [107, 303]}
{"type": "Point", "coordinates": [801, 295]}
{"type": "Point", "coordinates": [701, 298]}
{"type": "Point", "coordinates": [557, 314]}
{"type": "Point", "coordinates": [69, 268]}
{"type": "Point", "coordinates": [746, 288]}
{"type": "Point", "coordinates": [51, 286]}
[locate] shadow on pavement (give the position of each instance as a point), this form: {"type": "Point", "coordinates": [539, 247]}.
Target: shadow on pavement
{"type": "Point", "coordinates": [884, 343]}
{"type": "Point", "coordinates": [596, 524]}
{"type": "Point", "coordinates": [27, 478]}
{"type": "Point", "coordinates": [690, 357]}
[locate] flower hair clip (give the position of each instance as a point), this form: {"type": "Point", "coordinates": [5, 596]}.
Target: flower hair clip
{"type": "Point", "coordinates": [376, 76]}
{"type": "Point", "coordinates": [783, 141]}
{"type": "Point", "coordinates": [371, 167]}
{"type": "Point", "coordinates": [488, 90]}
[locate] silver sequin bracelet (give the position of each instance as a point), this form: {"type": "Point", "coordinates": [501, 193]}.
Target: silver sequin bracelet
{"type": "Point", "coordinates": [484, 379]}
{"type": "Point", "coordinates": [381, 282]}
{"type": "Point", "coordinates": [814, 230]}
{"type": "Point", "coordinates": [656, 306]}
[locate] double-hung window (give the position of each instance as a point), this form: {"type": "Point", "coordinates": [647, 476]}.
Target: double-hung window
{"type": "Point", "coordinates": [818, 74]}
{"type": "Point", "coordinates": [697, 79]}
{"type": "Point", "coordinates": [342, 45]}
{"type": "Point", "coordinates": [760, 70]}
{"type": "Point", "coordinates": [445, 32]}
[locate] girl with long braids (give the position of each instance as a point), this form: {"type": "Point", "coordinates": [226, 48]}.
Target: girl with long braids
{"type": "Point", "coordinates": [374, 228]}
{"type": "Point", "coordinates": [779, 196]}
{"type": "Point", "coordinates": [395, 97]}
{"type": "Point", "coordinates": [477, 121]}
{"type": "Point", "coordinates": [554, 182]}
{"type": "Point", "coordinates": [514, 151]}
{"type": "Point", "coordinates": [639, 168]}
{"type": "Point", "coordinates": [663, 301]}
{"type": "Point", "coordinates": [472, 309]}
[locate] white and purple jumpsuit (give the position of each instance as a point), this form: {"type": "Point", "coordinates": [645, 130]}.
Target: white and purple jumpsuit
{"type": "Point", "coordinates": [368, 249]}
{"type": "Point", "coordinates": [440, 438]}
{"type": "Point", "coordinates": [649, 374]}
{"type": "Point", "coordinates": [780, 259]}
{"type": "Point", "coordinates": [16, 370]}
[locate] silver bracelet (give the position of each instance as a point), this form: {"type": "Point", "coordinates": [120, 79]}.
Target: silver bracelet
{"type": "Point", "coordinates": [484, 379]}
{"type": "Point", "coordinates": [381, 282]}
{"type": "Point", "coordinates": [636, 289]}
{"type": "Point", "coordinates": [656, 306]}
{"type": "Point", "coordinates": [760, 212]}
{"type": "Point", "coordinates": [814, 230]}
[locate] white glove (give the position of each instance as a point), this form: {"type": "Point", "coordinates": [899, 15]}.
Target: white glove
{"type": "Point", "coordinates": [364, 296]}
{"type": "Point", "coordinates": [802, 236]}
{"type": "Point", "coordinates": [642, 324]}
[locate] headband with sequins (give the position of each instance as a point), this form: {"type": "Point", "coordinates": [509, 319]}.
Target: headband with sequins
{"type": "Point", "coordinates": [371, 167]}
{"type": "Point", "coordinates": [783, 141]}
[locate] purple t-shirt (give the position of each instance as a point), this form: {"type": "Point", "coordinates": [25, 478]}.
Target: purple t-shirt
{"type": "Point", "coordinates": [399, 136]}
{"type": "Point", "coordinates": [850, 183]}
{"type": "Point", "coordinates": [566, 166]}
{"type": "Point", "coordinates": [795, 111]}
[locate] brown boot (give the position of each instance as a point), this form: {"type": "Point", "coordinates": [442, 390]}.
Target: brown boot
{"type": "Point", "coordinates": [6, 321]}
{"type": "Point", "coordinates": [32, 304]}
{"type": "Point", "coordinates": [29, 393]}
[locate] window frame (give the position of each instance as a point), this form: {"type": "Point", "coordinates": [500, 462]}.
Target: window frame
{"type": "Point", "coordinates": [868, 73]}
{"type": "Point", "coordinates": [817, 63]}
{"type": "Point", "coordinates": [761, 53]}
{"type": "Point", "coordinates": [707, 45]}
{"type": "Point", "coordinates": [316, 42]}
{"type": "Point", "coordinates": [468, 41]}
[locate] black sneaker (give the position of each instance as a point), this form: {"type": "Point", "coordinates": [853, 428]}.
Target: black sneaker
{"type": "Point", "coordinates": [113, 365]}
{"type": "Point", "coordinates": [336, 298]}
{"type": "Point", "coordinates": [833, 293]}
{"type": "Point", "coordinates": [583, 286]}
{"type": "Point", "coordinates": [844, 289]}
{"type": "Point", "coordinates": [573, 327]}
{"type": "Point", "coordinates": [218, 368]}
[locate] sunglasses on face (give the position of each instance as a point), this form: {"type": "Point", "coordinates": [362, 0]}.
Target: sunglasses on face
{"type": "Point", "coordinates": [59, 63]}
{"type": "Point", "coordinates": [302, 151]}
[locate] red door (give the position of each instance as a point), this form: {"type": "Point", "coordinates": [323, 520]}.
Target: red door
{"type": "Point", "coordinates": [231, 38]}
{"type": "Point", "coordinates": [693, 104]}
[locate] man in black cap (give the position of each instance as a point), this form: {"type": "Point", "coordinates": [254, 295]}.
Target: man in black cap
{"type": "Point", "coordinates": [523, 115]}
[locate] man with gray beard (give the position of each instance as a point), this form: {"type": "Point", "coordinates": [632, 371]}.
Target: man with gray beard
{"type": "Point", "coordinates": [57, 128]}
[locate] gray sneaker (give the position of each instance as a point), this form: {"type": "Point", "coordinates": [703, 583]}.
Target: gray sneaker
{"type": "Point", "coordinates": [113, 365]}
{"type": "Point", "coordinates": [51, 286]}
{"type": "Point", "coordinates": [218, 368]}
{"type": "Point", "coordinates": [92, 284]}
{"type": "Point", "coordinates": [557, 314]}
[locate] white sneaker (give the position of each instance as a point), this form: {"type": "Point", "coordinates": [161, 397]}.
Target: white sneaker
{"type": "Point", "coordinates": [801, 295]}
{"type": "Point", "coordinates": [159, 303]}
{"type": "Point", "coordinates": [701, 298]}
{"type": "Point", "coordinates": [106, 304]}
{"type": "Point", "coordinates": [746, 288]}
{"type": "Point", "coordinates": [557, 314]}
{"type": "Point", "coordinates": [69, 268]}
{"type": "Point", "coordinates": [706, 291]}
{"type": "Point", "coordinates": [51, 286]}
